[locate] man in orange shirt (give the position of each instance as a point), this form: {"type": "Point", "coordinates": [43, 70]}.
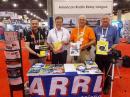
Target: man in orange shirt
{"type": "Point", "coordinates": [85, 35]}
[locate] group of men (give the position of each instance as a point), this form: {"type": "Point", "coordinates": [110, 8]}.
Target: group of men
{"type": "Point", "coordinates": [59, 38]}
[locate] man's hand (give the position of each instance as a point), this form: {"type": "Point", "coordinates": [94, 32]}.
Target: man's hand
{"type": "Point", "coordinates": [65, 42]}
{"type": "Point", "coordinates": [109, 50]}
{"type": "Point", "coordinates": [82, 47]}
{"type": "Point", "coordinates": [38, 55]}
{"type": "Point", "coordinates": [113, 47]}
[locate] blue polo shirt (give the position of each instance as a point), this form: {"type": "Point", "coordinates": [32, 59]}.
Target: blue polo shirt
{"type": "Point", "coordinates": [112, 35]}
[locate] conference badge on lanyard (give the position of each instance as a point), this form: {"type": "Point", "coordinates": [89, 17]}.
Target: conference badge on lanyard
{"type": "Point", "coordinates": [38, 46]}
{"type": "Point", "coordinates": [81, 35]}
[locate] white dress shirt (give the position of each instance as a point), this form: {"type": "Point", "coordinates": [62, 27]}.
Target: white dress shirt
{"type": "Point", "coordinates": [58, 35]}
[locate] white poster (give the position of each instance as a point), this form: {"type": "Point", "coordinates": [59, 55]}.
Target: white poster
{"type": "Point", "coordinates": [82, 6]}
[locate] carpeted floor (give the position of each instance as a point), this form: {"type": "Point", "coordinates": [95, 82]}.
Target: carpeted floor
{"type": "Point", "coordinates": [121, 86]}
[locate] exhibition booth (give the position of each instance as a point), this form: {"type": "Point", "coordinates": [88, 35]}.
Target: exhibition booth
{"type": "Point", "coordinates": [71, 79]}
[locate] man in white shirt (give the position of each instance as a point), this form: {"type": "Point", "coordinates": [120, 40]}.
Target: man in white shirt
{"type": "Point", "coordinates": [58, 39]}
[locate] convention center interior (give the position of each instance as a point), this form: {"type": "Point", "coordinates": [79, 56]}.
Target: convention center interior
{"type": "Point", "coordinates": [65, 48]}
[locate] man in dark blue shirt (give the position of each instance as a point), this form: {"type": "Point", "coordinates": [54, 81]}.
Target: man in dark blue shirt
{"type": "Point", "coordinates": [107, 37]}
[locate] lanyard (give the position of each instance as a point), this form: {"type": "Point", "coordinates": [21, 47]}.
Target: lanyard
{"type": "Point", "coordinates": [33, 36]}
{"type": "Point", "coordinates": [105, 32]}
{"type": "Point", "coordinates": [57, 35]}
{"type": "Point", "coordinates": [38, 37]}
{"type": "Point", "coordinates": [79, 32]}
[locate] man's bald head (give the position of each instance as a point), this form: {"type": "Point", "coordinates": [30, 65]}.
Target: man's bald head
{"type": "Point", "coordinates": [82, 21]}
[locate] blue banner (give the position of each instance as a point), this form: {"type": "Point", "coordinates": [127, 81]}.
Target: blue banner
{"type": "Point", "coordinates": [66, 86]}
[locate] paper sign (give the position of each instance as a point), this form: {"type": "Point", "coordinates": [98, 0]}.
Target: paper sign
{"type": "Point", "coordinates": [36, 47]}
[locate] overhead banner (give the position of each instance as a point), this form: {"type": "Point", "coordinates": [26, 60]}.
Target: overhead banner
{"type": "Point", "coordinates": [82, 6]}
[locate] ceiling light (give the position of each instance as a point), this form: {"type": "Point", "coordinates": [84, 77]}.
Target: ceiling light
{"type": "Point", "coordinates": [115, 4]}
{"type": "Point", "coordinates": [40, 4]}
{"type": "Point", "coordinates": [45, 11]}
{"type": "Point", "coordinates": [34, 15]}
{"type": "Point", "coordinates": [15, 5]}
{"type": "Point", "coordinates": [36, 0]}
{"type": "Point", "coordinates": [31, 13]}
{"type": "Point", "coordinates": [27, 11]}
{"type": "Point", "coordinates": [4, 0]}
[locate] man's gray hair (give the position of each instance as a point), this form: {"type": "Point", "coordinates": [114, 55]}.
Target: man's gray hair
{"type": "Point", "coordinates": [83, 16]}
{"type": "Point", "coordinates": [105, 16]}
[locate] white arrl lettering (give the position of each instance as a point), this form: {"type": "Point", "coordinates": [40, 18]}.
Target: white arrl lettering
{"type": "Point", "coordinates": [97, 87]}
{"type": "Point", "coordinates": [81, 82]}
{"type": "Point", "coordinates": [59, 83]}
{"type": "Point", "coordinates": [36, 87]}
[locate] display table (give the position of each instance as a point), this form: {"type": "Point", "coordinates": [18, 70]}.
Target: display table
{"type": "Point", "coordinates": [64, 81]}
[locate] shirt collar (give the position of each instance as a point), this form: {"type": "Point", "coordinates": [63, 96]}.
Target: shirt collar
{"type": "Point", "coordinates": [59, 30]}
{"type": "Point", "coordinates": [105, 27]}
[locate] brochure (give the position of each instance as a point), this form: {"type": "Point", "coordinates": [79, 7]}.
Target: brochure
{"type": "Point", "coordinates": [12, 45]}
{"type": "Point", "coordinates": [52, 69]}
{"type": "Point", "coordinates": [74, 49]}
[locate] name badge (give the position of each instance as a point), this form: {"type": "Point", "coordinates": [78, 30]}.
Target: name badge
{"type": "Point", "coordinates": [102, 38]}
{"type": "Point", "coordinates": [81, 39]}
{"type": "Point", "coordinates": [37, 47]}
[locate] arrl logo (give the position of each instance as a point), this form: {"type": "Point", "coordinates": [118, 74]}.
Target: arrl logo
{"type": "Point", "coordinates": [80, 84]}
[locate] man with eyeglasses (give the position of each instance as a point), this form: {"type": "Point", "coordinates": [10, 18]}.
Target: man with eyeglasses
{"type": "Point", "coordinates": [58, 40]}
{"type": "Point", "coordinates": [85, 36]}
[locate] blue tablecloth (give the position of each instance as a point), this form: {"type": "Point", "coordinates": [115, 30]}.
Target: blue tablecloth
{"type": "Point", "coordinates": [66, 85]}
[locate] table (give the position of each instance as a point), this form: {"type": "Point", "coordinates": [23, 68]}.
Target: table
{"type": "Point", "coordinates": [67, 84]}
